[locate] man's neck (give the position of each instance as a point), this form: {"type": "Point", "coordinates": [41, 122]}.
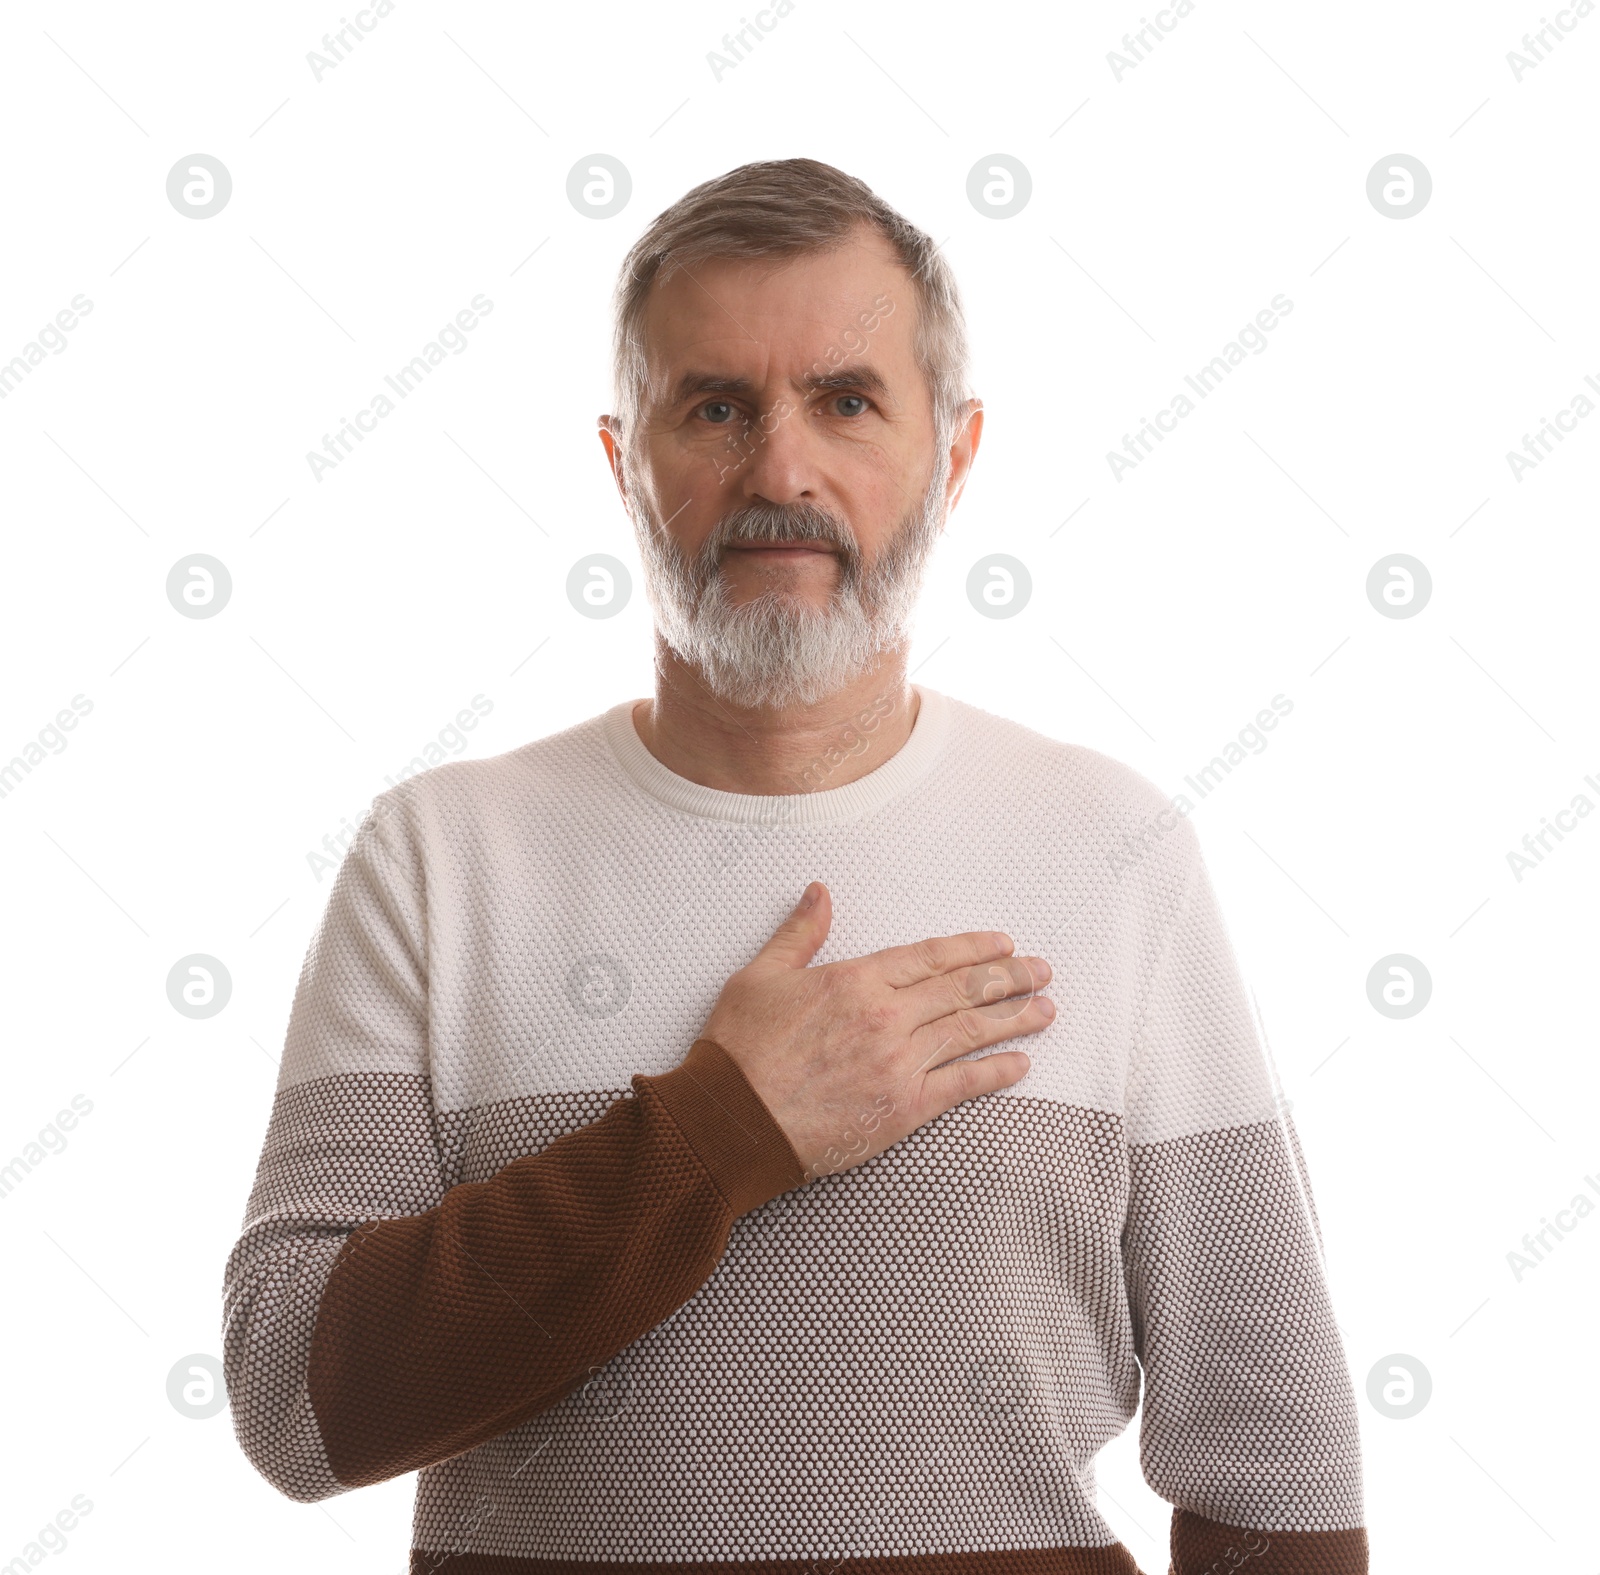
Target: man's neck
{"type": "Point", "coordinates": [798, 749]}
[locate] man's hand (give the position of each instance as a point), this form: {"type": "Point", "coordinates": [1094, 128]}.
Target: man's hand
{"type": "Point", "coordinates": [855, 1055]}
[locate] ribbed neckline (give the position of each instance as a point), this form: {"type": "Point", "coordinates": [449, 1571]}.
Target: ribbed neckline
{"type": "Point", "coordinates": [855, 799]}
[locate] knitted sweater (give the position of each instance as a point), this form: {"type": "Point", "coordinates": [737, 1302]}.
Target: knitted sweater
{"type": "Point", "coordinates": [517, 1228]}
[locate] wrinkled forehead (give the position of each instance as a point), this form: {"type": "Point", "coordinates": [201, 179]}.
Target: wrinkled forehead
{"type": "Point", "coordinates": [772, 322]}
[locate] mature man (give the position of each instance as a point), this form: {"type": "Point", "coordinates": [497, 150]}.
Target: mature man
{"type": "Point", "coordinates": [665, 1222]}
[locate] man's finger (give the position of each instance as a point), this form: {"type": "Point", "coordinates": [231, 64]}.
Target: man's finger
{"type": "Point", "coordinates": [983, 984]}
{"type": "Point", "coordinates": [796, 941]}
{"type": "Point", "coordinates": [907, 965]}
{"type": "Point", "coordinates": [975, 1027]}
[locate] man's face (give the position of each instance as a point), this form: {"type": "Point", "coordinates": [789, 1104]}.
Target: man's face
{"type": "Point", "coordinates": [784, 480]}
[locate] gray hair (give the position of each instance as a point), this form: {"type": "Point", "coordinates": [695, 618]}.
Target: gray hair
{"type": "Point", "coordinates": [786, 208]}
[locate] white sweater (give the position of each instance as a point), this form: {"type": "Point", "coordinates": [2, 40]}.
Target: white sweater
{"type": "Point", "coordinates": [649, 1345]}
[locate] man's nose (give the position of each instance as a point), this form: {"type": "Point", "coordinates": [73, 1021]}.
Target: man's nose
{"type": "Point", "coordinates": [782, 464]}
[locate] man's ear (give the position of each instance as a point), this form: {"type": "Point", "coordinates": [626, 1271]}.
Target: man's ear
{"type": "Point", "coordinates": [963, 451]}
{"type": "Point", "coordinates": [609, 429]}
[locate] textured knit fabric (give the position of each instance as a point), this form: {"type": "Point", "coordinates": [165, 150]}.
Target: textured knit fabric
{"type": "Point", "coordinates": [519, 1227]}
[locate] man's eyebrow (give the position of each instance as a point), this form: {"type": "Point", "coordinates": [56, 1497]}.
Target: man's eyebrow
{"type": "Point", "coordinates": [851, 374]}
{"type": "Point", "coordinates": [692, 383]}
{"type": "Point", "coordinates": [857, 375]}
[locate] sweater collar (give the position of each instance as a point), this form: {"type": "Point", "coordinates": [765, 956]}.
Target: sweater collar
{"type": "Point", "coordinates": [823, 806]}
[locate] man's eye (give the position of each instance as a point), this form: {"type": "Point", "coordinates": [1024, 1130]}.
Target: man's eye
{"type": "Point", "coordinates": [851, 399]}
{"type": "Point", "coordinates": [710, 412]}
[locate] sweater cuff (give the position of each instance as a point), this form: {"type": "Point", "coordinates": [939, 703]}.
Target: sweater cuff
{"type": "Point", "coordinates": [734, 1135]}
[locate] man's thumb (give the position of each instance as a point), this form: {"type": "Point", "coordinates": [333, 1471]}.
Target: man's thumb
{"type": "Point", "coordinates": [795, 942]}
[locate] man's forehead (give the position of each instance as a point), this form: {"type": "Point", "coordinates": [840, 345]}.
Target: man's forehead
{"type": "Point", "coordinates": [774, 300]}
{"type": "Point", "coordinates": [779, 346]}
{"type": "Point", "coordinates": [730, 354]}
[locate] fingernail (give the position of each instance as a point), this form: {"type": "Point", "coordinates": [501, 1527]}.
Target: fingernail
{"type": "Point", "coordinates": [808, 898]}
{"type": "Point", "coordinates": [1046, 1005]}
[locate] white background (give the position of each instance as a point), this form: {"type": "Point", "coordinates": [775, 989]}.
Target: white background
{"type": "Point", "coordinates": [369, 607]}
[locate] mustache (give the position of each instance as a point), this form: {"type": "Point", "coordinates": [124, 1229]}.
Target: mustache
{"type": "Point", "coordinates": [780, 522]}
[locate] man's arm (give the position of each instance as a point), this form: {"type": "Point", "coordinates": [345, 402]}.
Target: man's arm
{"type": "Point", "coordinates": [1249, 1422]}
{"type": "Point", "coordinates": [375, 1321]}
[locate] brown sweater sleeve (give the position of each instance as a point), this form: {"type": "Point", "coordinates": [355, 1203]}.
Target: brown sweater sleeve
{"type": "Point", "coordinates": [438, 1331]}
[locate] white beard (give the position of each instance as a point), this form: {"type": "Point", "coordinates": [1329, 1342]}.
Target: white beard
{"type": "Point", "coordinates": [775, 650]}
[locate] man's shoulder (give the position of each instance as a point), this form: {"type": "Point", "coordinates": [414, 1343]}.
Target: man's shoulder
{"type": "Point", "coordinates": [564, 767]}
{"type": "Point", "coordinates": [1093, 795]}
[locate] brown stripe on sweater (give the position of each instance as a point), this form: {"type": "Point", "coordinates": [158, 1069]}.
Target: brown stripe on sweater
{"type": "Point", "coordinates": [1205, 1547]}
